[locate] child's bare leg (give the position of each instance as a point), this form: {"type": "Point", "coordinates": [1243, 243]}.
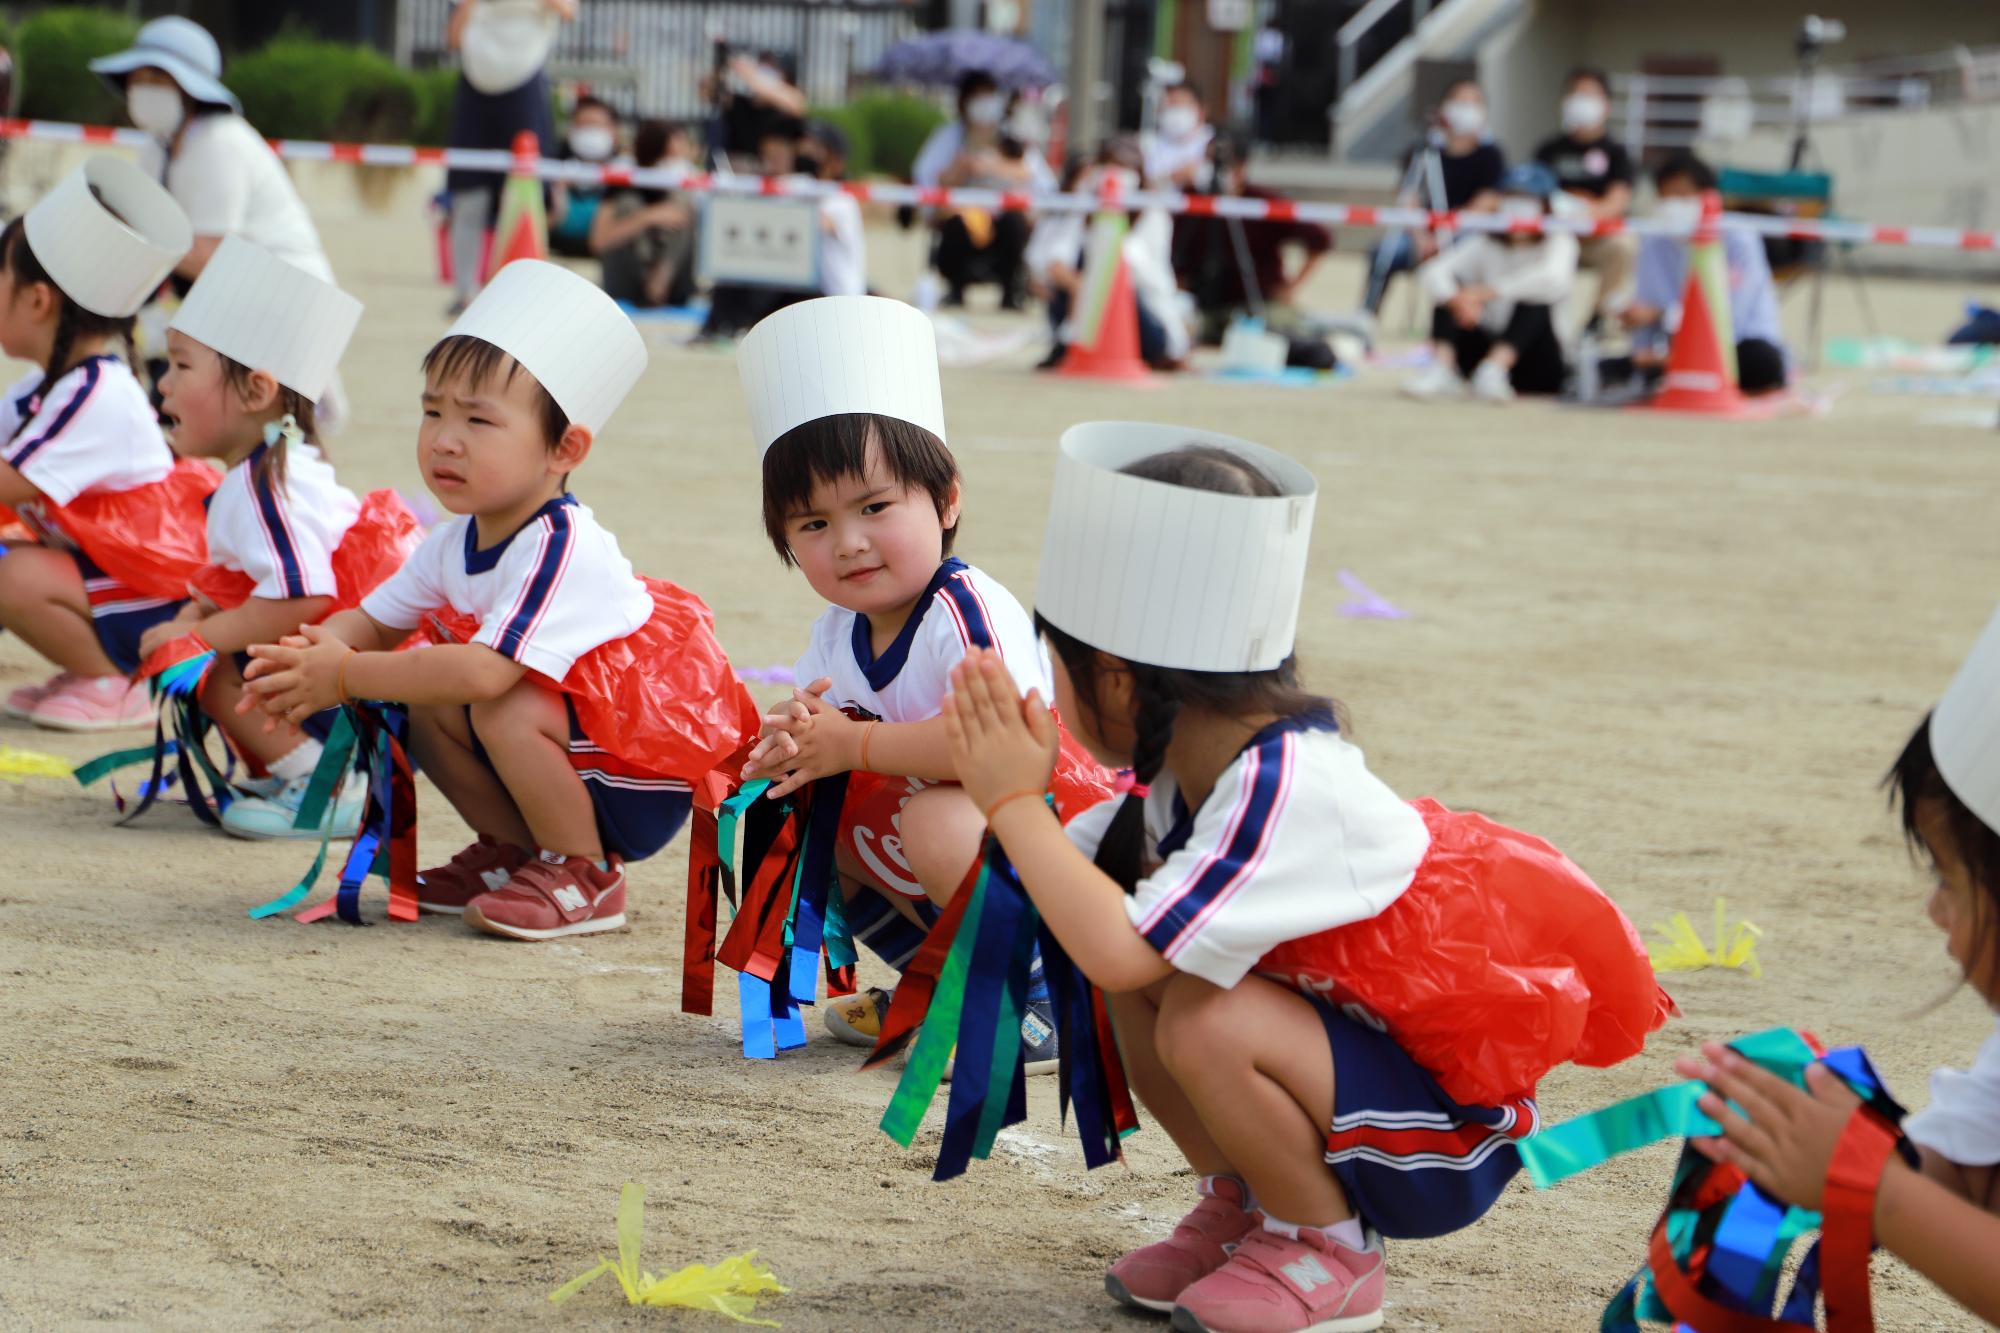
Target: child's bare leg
{"type": "Point", "coordinates": [1136, 1015]}
{"type": "Point", "coordinates": [219, 697]}
{"type": "Point", "coordinates": [526, 734]}
{"type": "Point", "coordinates": [441, 743]}
{"type": "Point", "coordinates": [1253, 1062]}
{"type": "Point", "coordinates": [942, 830]}
{"type": "Point", "coordinates": [42, 599]}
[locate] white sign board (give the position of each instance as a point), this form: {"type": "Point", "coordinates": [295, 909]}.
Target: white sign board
{"type": "Point", "coordinates": [757, 242]}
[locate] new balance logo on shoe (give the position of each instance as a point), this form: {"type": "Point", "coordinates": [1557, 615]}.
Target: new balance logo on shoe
{"type": "Point", "coordinates": [1307, 1274]}
{"type": "Point", "coordinates": [571, 899]}
{"type": "Point", "coordinates": [495, 878]}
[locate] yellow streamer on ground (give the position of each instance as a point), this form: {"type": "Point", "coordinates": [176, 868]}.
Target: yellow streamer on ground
{"type": "Point", "coordinates": [1682, 950]}
{"type": "Point", "coordinates": [17, 764]}
{"type": "Point", "coordinates": [729, 1288]}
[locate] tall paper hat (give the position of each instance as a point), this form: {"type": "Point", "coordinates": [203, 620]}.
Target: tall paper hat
{"type": "Point", "coordinates": [564, 331]}
{"type": "Point", "coordinates": [1965, 729]}
{"type": "Point", "coordinates": [256, 309]}
{"type": "Point", "coordinates": [108, 256]}
{"type": "Point", "coordinates": [840, 354]}
{"type": "Point", "coordinates": [1167, 575]}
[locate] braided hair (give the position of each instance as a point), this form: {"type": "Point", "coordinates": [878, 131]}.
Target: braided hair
{"type": "Point", "coordinates": [72, 320]}
{"type": "Point", "coordinates": [1160, 693]}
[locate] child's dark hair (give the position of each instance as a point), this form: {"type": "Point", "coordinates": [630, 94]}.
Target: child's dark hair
{"type": "Point", "coordinates": [837, 446]}
{"type": "Point", "coordinates": [1685, 166]}
{"type": "Point", "coordinates": [1161, 692]}
{"type": "Point", "coordinates": [1916, 787]}
{"type": "Point", "coordinates": [475, 360]}
{"type": "Point", "coordinates": [72, 320]}
{"type": "Point", "coordinates": [290, 402]}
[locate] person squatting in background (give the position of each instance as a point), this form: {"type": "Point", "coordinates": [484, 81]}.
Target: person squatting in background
{"type": "Point", "coordinates": [1457, 166]}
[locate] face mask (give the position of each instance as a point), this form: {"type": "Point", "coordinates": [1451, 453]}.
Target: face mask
{"type": "Point", "coordinates": [1026, 129]}
{"type": "Point", "coordinates": [1464, 117]}
{"type": "Point", "coordinates": [1178, 122]}
{"type": "Point", "coordinates": [592, 143]}
{"type": "Point", "coordinates": [986, 109]}
{"type": "Point", "coordinates": [1679, 213]}
{"type": "Point", "coordinates": [156, 110]}
{"type": "Point", "coordinates": [1583, 111]}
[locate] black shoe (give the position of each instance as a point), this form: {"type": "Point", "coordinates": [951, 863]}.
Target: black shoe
{"type": "Point", "coordinates": [954, 299]}
{"type": "Point", "coordinates": [1038, 1038]}
{"type": "Point", "coordinates": [1054, 360]}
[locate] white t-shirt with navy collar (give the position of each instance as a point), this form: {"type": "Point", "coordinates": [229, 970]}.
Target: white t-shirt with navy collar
{"type": "Point", "coordinates": [283, 537]}
{"type": "Point", "coordinates": [548, 594]}
{"type": "Point", "coordinates": [962, 608]}
{"type": "Point", "coordinates": [95, 431]}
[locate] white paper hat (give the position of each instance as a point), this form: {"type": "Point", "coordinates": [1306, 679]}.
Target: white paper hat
{"type": "Point", "coordinates": [840, 354]}
{"type": "Point", "coordinates": [1965, 729]}
{"type": "Point", "coordinates": [108, 257]}
{"type": "Point", "coordinates": [563, 330]}
{"type": "Point", "coordinates": [1168, 575]}
{"type": "Point", "coordinates": [256, 309]}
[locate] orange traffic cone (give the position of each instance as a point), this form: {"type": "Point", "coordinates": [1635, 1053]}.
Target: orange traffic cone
{"type": "Point", "coordinates": [1113, 353]}
{"type": "Point", "coordinates": [521, 231]}
{"type": "Point", "coordinates": [1701, 361]}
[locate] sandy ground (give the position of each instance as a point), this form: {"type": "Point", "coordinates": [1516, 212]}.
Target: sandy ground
{"type": "Point", "coordinates": [1684, 650]}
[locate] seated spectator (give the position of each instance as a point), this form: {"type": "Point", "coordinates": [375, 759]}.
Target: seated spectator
{"type": "Point", "coordinates": [974, 150]}
{"type": "Point", "coordinates": [1458, 167]}
{"type": "Point", "coordinates": [1663, 264]}
{"type": "Point", "coordinates": [1499, 302]}
{"type": "Point", "coordinates": [1234, 267]}
{"type": "Point", "coordinates": [592, 138]}
{"type": "Point", "coordinates": [735, 308]}
{"type": "Point", "coordinates": [1057, 257]}
{"type": "Point", "coordinates": [843, 247]}
{"type": "Point", "coordinates": [1595, 173]}
{"type": "Point", "coordinates": [644, 237]}
{"type": "Point", "coordinates": [1177, 156]}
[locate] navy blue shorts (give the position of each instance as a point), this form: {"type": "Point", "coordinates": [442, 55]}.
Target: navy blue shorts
{"type": "Point", "coordinates": [638, 813]}
{"type": "Point", "coordinates": [1414, 1162]}
{"type": "Point", "coordinates": [120, 615]}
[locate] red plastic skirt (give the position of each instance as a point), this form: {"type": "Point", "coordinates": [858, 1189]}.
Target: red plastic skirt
{"type": "Point", "coordinates": [375, 546]}
{"type": "Point", "coordinates": [1501, 961]}
{"type": "Point", "coordinates": [663, 698]}
{"type": "Point", "coordinates": [152, 538]}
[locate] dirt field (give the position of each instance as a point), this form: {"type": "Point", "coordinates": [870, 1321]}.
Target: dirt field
{"type": "Point", "coordinates": [1683, 650]}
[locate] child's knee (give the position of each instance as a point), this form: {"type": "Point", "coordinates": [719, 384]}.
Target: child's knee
{"type": "Point", "coordinates": [526, 708]}
{"type": "Point", "coordinates": [1195, 1029]}
{"type": "Point", "coordinates": [941, 830]}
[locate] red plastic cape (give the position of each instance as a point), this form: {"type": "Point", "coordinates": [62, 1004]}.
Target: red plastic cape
{"type": "Point", "coordinates": [663, 698]}
{"type": "Point", "coordinates": [1501, 961]}
{"type": "Point", "coordinates": [381, 538]}
{"type": "Point", "coordinates": [152, 538]}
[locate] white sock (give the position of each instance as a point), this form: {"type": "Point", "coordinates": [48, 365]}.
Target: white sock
{"type": "Point", "coordinates": [297, 762]}
{"type": "Point", "coordinates": [1348, 1235]}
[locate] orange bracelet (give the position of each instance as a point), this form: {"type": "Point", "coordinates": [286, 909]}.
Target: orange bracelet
{"type": "Point", "coordinates": [994, 808]}
{"type": "Point", "coordinates": [340, 679]}
{"type": "Point", "coordinates": [866, 733]}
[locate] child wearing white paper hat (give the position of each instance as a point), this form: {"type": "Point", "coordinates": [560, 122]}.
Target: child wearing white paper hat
{"type": "Point", "coordinates": [116, 524]}
{"type": "Point", "coordinates": [1309, 991]}
{"type": "Point", "coordinates": [567, 703]}
{"type": "Point", "coordinates": [250, 354]}
{"type": "Point", "coordinates": [1942, 1219]}
{"type": "Point", "coordinates": [862, 493]}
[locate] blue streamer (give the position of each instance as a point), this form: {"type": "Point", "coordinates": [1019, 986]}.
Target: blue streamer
{"type": "Point", "coordinates": [753, 996]}
{"type": "Point", "coordinates": [1744, 1244]}
{"type": "Point", "coordinates": [985, 982]}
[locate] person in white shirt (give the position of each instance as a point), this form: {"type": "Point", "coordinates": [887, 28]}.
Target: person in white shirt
{"type": "Point", "coordinates": [1177, 150]}
{"type": "Point", "coordinates": [1500, 301]}
{"type": "Point", "coordinates": [979, 150]}
{"type": "Point", "coordinates": [843, 246]}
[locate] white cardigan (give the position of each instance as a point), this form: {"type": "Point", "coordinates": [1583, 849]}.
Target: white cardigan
{"type": "Point", "coordinates": [1540, 273]}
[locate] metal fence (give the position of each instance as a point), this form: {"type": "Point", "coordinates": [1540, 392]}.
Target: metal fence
{"type": "Point", "coordinates": [649, 57]}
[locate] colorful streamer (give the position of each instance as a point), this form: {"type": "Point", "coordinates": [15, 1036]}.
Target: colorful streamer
{"type": "Point", "coordinates": [1681, 949]}
{"type": "Point", "coordinates": [730, 1288]}
{"type": "Point", "coordinates": [18, 764]}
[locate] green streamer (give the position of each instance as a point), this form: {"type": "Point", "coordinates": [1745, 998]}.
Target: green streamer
{"type": "Point", "coordinates": [335, 756]}
{"type": "Point", "coordinates": [939, 1034]}
{"type": "Point", "coordinates": [90, 772]}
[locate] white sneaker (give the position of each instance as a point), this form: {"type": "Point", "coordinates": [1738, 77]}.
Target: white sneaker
{"type": "Point", "coordinates": [1490, 383]}
{"type": "Point", "coordinates": [1434, 383]}
{"type": "Point", "coordinates": [260, 817]}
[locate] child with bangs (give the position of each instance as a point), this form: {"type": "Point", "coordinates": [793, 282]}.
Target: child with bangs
{"type": "Point", "coordinates": [565, 704]}
{"type": "Point", "coordinates": [862, 494]}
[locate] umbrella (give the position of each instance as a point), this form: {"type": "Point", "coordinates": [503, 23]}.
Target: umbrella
{"type": "Point", "coordinates": [938, 59]}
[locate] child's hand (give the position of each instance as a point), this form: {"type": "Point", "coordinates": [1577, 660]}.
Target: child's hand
{"type": "Point", "coordinates": [1000, 742]}
{"type": "Point", "coordinates": [1787, 1141]}
{"type": "Point", "coordinates": [803, 740]}
{"type": "Point", "coordinates": [297, 676]}
{"type": "Point", "coordinates": [185, 620]}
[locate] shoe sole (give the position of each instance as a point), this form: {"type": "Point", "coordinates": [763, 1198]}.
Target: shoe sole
{"type": "Point", "coordinates": [1187, 1321]}
{"type": "Point", "coordinates": [1031, 1069]}
{"type": "Point", "coordinates": [18, 714]}
{"type": "Point", "coordinates": [289, 835]}
{"type": "Point", "coordinates": [439, 909]}
{"type": "Point", "coordinates": [1121, 1293]}
{"type": "Point", "coordinates": [87, 728]}
{"type": "Point", "coordinates": [595, 926]}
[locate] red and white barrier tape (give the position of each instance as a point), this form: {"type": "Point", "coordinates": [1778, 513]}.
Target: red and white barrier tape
{"type": "Point", "coordinates": [1193, 205]}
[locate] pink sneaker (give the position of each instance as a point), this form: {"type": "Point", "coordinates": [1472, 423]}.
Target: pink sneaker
{"type": "Point", "coordinates": [1152, 1277]}
{"type": "Point", "coordinates": [95, 703]}
{"type": "Point", "coordinates": [1275, 1284]}
{"type": "Point", "coordinates": [553, 896]}
{"type": "Point", "coordinates": [23, 702]}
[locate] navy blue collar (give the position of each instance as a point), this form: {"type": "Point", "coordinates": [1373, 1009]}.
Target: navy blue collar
{"type": "Point", "coordinates": [29, 403]}
{"type": "Point", "coordinates": [880, 671]}
{"type": "Point", "coordinates": [482, 562]}
{"type": "Point", "coordinates": [1314, 719]}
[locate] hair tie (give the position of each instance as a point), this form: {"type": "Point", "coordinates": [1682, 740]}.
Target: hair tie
{"type": "Point", "coordinates": [286, 428]}
{"type": "Point", "coordinates": [1128, 784]}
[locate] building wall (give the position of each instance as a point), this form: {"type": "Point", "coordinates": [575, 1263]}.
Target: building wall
{"type": "Point", "coordinates": [1756, 36]}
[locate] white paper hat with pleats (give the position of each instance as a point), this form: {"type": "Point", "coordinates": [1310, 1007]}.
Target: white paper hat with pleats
{"type": "Point", "coordinates": [1166, 574]}
{"type": "Point", "coordinates": [1965, 729]}
{"type": "Point", "coordinates": [563, 330]}
{"type": "Point", "coordinates": [108, 235]}
{"type": "Point", "coordinates": [840, 354]}
{"type": "Point", "coordinates": [261, 312]}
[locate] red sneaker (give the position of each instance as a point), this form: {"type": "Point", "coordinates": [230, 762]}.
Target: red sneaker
{"type": "Point", "coordinates": [1282, 1284]}
{"type": "Point", "coordinates": [553, 896]}
{"type": "Point", "coordinates": [481, 868]}
{"type": "Point", "coordinates": [1153, 1276]}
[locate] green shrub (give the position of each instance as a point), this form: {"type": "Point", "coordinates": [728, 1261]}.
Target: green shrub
{"type": "Point", "coordinates": [898, 124]}
{"type": "Point", "coordinates": [303, 88]}
{"type": "Point", "coordinates": [849, 121]}
{"type": "Point", "coordinates": [435, 88]}
{"type": "Point", "coordinates": [52, 53]}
